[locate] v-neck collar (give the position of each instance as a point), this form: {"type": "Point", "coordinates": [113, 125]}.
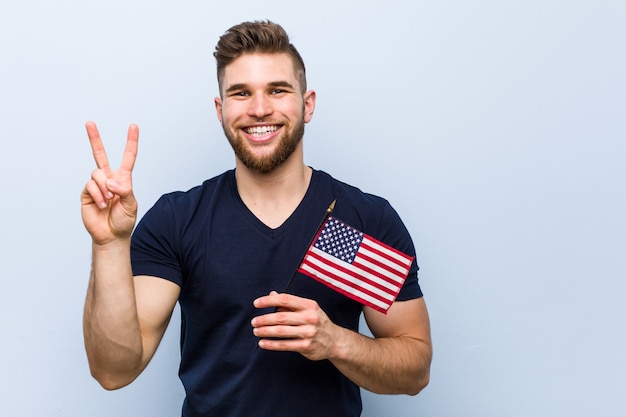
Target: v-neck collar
{"type": "Point", "coordinates": [256, 222]}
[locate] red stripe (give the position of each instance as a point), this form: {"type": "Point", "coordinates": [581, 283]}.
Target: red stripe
{"type": "Point", "coordinates": [347, 293]}
{"type": "Point", "coordinates": [385, 254]}
{"type": "Point", "coordinates": [337, 266]}
{"type": "Point", "coordinates": [393, 272]}
{"type": "Point", "coordinates": [356, 297]}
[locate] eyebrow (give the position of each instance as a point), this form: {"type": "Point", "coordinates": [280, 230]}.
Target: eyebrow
{"type": "Point", "coordinates": [273, 84]}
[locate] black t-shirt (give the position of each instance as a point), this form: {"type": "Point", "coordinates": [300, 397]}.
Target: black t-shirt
{"type": "Point", "coordinates": [223, 257]}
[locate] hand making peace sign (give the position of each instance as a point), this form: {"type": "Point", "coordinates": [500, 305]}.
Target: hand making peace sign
{"type": "Point", "coordinates": [108, 205]}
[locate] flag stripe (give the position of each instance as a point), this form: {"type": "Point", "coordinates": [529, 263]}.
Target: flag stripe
{"type": "Point", "coordinates": [323, 261]}
{"type": "Point", "coordinates": [390, 254]}
{"type": "Point", "coordinates": [379, 268]}
{"type": "Point", "coordinates": [347, 289]}
{"type": "Point", "coordinates": [367, 291]}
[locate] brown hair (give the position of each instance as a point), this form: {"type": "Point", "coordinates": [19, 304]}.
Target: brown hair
{"type": "Point", "coordinates": [258, 36]}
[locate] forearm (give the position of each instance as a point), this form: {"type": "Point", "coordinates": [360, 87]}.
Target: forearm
{"type": "Point", "coordinates": [396, 361]}
{"type": "Point", "coordinates": [392, 365]}
{"type": "Point", "coordinates": [110, 323]}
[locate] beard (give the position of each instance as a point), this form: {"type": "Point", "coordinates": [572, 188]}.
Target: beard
{"type": "Point", "coordinates": [267, 162]}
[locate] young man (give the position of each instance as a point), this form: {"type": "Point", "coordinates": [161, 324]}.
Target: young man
{"type": "Point", "coordinates": [225, 251]}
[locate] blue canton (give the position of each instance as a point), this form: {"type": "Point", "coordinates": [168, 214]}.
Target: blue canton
{"type": "Point", "coordinates": [339, 240]}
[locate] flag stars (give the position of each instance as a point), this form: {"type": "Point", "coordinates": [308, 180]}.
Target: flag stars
{"type": "Point", "coordinates": [339, 240]}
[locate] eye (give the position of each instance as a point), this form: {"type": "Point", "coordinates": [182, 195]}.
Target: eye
{"type": "Point", "coordinates": [276, 91]}
{"type": "Point", "coordinates": [240, 94]}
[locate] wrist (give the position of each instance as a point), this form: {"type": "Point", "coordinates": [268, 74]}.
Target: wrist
{"type": "Point", "coordinates": [113, 245]}
{"type": "Point", "coordinates": [343, 341]}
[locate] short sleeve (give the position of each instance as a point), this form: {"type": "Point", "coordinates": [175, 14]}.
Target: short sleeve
{"type": "Point", "coordinates": [394, 233]}
{"type": "Point", "coordinates": [155, 248]}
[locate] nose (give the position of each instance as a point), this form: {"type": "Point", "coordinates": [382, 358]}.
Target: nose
{"type": "Point", "coordinates": [260, 106]}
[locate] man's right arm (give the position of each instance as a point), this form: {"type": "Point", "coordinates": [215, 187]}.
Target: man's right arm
{"type": "Point", "coordinates": [125, 317]}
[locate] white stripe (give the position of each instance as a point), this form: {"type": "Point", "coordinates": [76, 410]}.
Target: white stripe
{"type": "Point", "coordinates": [400, 257]}
{"type": "Point", "coordinates": [357, 271]}
{"type": "Point", "coordinates": [346, 288]}
{"type": "Point", "coordinates": [402, 270]}
{"type": "Point", "coordinates": [397, 276]}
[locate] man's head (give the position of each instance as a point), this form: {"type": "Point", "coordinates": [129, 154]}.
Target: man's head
{"type": "Point", "coordinates": [263, 103]}
{"type": "Point", "coordinates": [256, 37]}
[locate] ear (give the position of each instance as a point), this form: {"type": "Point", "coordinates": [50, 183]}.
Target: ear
{"type": "Point", "coordinates": [309, 105]}
{"type": "Point", "coordinates": [218, 108]}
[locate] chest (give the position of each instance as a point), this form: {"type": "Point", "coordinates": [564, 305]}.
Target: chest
{"type": "Point", "coordinates": [225, 269]}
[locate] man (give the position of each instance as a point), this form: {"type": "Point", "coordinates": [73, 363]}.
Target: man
{"type": "Point", "coordinates": [225, 251]}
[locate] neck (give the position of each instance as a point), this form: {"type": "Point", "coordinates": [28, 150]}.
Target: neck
{"type": "Point", "coordinates": [273, 196]}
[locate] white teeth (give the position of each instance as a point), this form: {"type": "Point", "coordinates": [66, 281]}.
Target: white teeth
{"type": "Point", "coordinates": [261, 130]}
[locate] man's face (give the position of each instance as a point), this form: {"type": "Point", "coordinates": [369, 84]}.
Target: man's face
{"type": "Point", "coordinates": [262, 109]}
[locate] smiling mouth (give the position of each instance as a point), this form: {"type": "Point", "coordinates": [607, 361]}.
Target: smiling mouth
{"type": "Point", "coordinates": [261, 131]}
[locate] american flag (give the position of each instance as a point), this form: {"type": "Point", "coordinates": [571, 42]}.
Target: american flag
{"type": "Point", "coordinates": [356, 265]}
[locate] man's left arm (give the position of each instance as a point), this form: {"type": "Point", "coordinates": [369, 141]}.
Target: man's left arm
{"type": "Point", "coordinates": [395, 361]}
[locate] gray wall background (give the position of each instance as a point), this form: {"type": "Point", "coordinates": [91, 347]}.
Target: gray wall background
{"type": "Point", "coordinates": [496, 129]}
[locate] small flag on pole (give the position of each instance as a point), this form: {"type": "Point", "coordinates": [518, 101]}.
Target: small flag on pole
{"type": "Point", "coordinates": [356, 265]}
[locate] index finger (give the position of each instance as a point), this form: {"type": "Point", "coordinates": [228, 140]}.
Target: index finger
{"type": "Point", "coordinates": [282, 300]}
{"type": "Point", "coordinates": [99, 154]}
{"type": "Point", "coordinates": [130, 152]}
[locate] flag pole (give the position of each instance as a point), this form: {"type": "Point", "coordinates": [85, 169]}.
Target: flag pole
{"type": "Point", "coordinates": [329, 210]}
{"type": "Point", "coordinates": [326, 215]}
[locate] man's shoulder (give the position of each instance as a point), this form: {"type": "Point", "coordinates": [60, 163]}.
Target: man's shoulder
{"type": "Point", "coordinates": [198, 199]}
{"type": "Point", "coordinates": [196, 193]}
{"type": "Point", "coordinates": [354, 194]}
